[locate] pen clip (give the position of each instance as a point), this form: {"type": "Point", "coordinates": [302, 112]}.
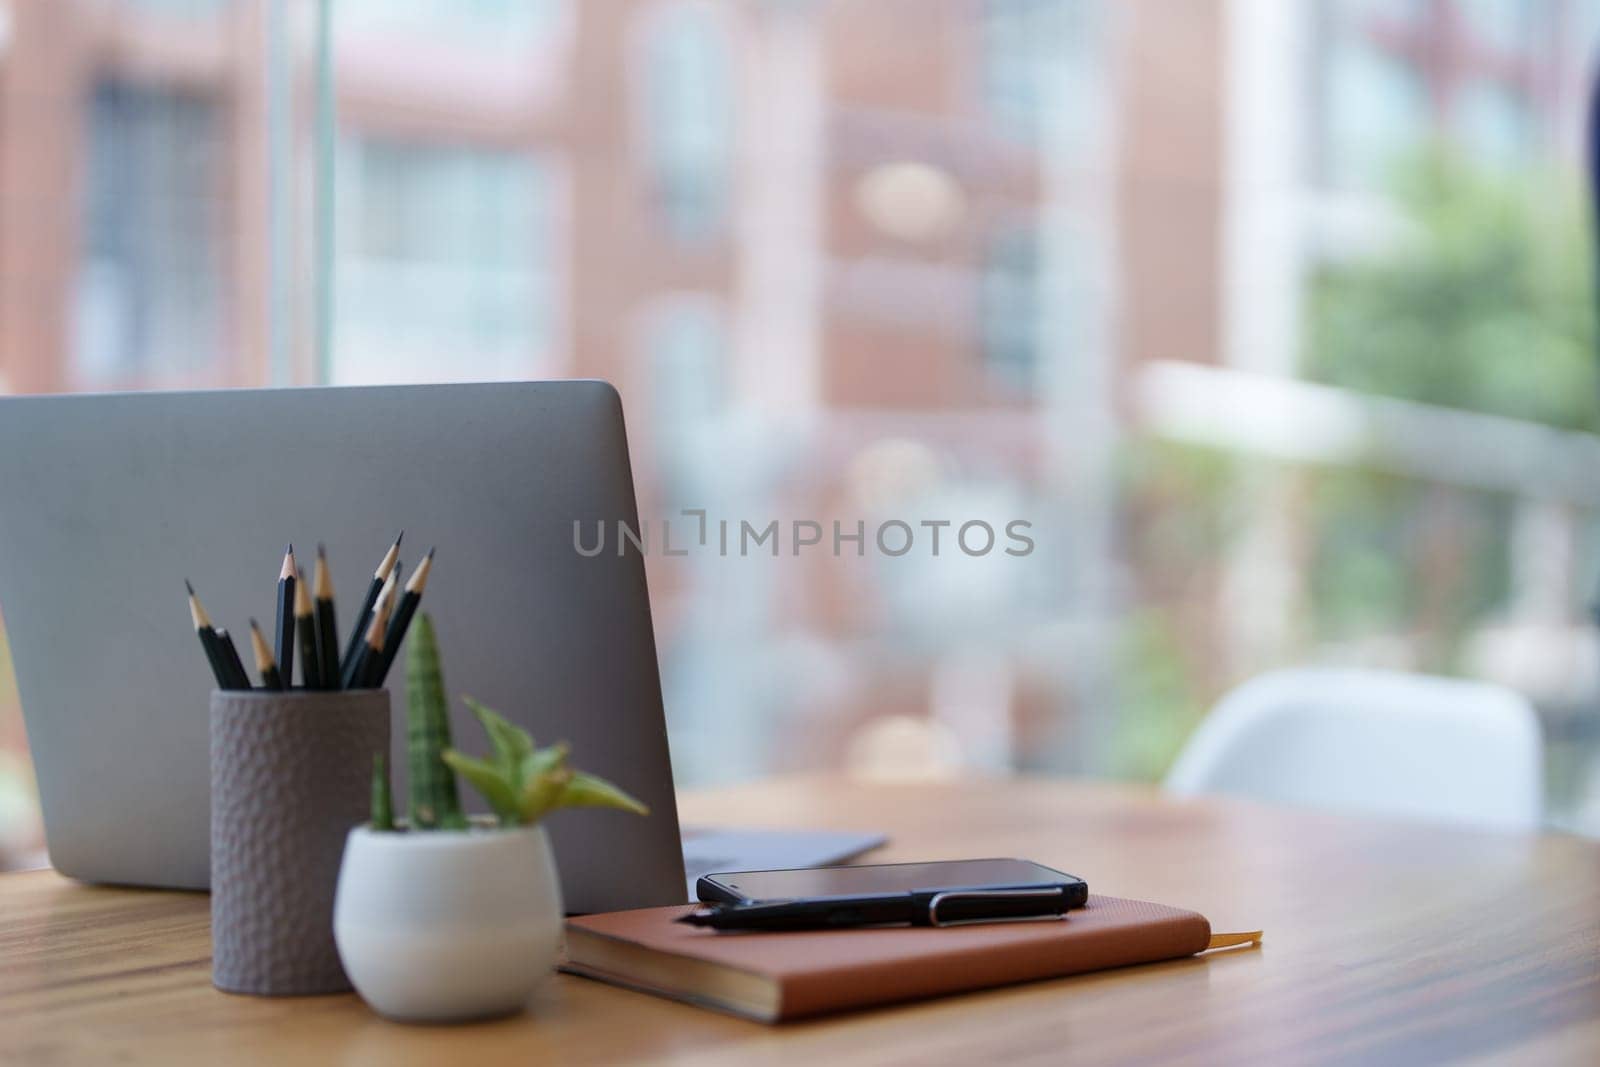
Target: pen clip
{"type": "Point", "coordinates": [1052, 895]}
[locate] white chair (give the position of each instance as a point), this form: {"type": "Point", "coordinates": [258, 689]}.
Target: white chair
{"type": "Point", "coordinates": [1372, 742]}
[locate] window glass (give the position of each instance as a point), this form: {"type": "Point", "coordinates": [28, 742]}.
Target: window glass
{"type": "Point", "coordinates": [1375, 107]}
{"type": "Point", "coordinates": [1493, 123]}
{"type": "Point", "coordinates": [1143, 275]}
{"type": "Point", "coordinates": [686, 355]}
{"type": "Point", "coordinates": [1011, 307]}
{"type": "Point", "coordinates": [181, 7]}
{"type": "Point", "coordinates": [443, 263]}
{"type": "Point", "coordinates": [148, 301]}
{"type": "Point", "coordinates": [1500, 24]}
{"type": "Point", "coordinates": [500, 24]}
{"type": "Point", "coordinates": [1013, 61]}
{"type": "Point", "coordinates": [687, 111]}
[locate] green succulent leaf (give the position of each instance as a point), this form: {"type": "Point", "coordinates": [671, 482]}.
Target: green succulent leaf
{"type": "Point", "coordinates": [591, 791]}
{"type": "Point", "coordinates": [435, 803]}
{"type": "Point", "coordinates": [542, 761]}
{"type": "Point", "coordinates": [542, 792]}
{"type": "Point", "coordinates": [512, 744]}
{"type": "Point", "coordinates": [487, 779]}
{"type": "Point", "coordinates": [382, 801]}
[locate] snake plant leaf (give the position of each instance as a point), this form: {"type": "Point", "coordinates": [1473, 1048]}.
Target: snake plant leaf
{"type": "Point", "coordinates": [435, 803]}
{"type": "Point", "coordinates": [592, 791]}
{"type": "Point", "coordinates": [542, 792]}
{"type": "Point", "coordinates": [382, 800]}
{"type": "Point", "coordinates": [512, 744]}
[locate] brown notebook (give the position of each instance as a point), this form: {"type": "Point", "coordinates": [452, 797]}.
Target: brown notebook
{"type": "Point", "coordinates": [772, 977]}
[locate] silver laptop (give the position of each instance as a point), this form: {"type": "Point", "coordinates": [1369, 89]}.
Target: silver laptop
{"type": "Point", "coordinates": [107, 503]}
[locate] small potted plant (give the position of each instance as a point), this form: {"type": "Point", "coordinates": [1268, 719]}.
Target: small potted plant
{"type": "Point", "coordinates": [442, 917]}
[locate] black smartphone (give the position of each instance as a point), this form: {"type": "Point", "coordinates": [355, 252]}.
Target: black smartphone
{"type": "Point", "coordinates": [925, 893]}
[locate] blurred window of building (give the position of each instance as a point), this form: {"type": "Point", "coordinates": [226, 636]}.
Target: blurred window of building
{"type": "Point", "coordinates": [685, 353]}
{"type": "Point", "coordinates": [1493, 123]}
{"type": "Point", "coordinates": [1404, 15]}
{"type": "Point", "coordinates": [1010, 307]}
{"type": "Point", "coordinates": [1584, 26]}
{"type": "Point", "coordinates": [686, 350]}
{"type": "Point", "coordinates": [183, 8]}
{"type": "Point", "coordinates": [445, 265]}
{"type": "Point", "coordinates": [504, 25]}
{"type": "Point", "coordinates": [1017, 36]}
{"type": "Point", "coordinates": [148, 302]}
{"type": "Point", "coordinates": [685, 104]}
{"type": "Point", "coordinates": [1374, 95]}
{"type": "Point", "coordinates": [1499, 24]}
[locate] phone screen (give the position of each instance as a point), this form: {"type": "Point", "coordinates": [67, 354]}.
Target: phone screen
{"type": "Point", "coordinates": [887, 878]}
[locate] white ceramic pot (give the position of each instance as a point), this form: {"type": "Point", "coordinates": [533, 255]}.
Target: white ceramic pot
{"type": "Point", "coordinates": [445, 925]}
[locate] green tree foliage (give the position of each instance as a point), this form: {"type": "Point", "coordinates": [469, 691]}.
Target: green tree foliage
{"type": "Point", "coordinates": [1484, 301]}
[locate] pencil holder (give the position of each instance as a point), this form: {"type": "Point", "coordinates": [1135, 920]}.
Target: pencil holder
{"type": "Point", "coordinates": [291, 774]}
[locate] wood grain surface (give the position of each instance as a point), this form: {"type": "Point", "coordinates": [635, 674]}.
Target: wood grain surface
{"type": "Point", "coordinates": [1385, 943]}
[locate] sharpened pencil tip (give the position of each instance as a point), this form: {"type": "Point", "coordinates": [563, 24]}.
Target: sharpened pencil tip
{"type": "Point", "coordinates": [188, 586]}
{"type": "Point", "coordinates": [322, 553]}
{"type": "Point", "coordinates": [253, 625]}
{"type": "Point", "coordinates": [430, 553]}
{"type": "Point", "coordinates": [400, 538]}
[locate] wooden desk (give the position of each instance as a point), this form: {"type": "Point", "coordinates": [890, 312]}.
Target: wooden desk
{"type": "Point", "coordinates": [1385, 942]}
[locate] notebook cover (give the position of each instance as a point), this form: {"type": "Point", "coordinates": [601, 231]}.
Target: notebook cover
{"type": "Point", "coordinates": [824, 971]}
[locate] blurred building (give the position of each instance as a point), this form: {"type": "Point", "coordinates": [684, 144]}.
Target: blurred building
{"type": "Point", "coordinates": [846, 260]}
{"type": "Point", "coordinates": [515, 179]}
{"type": "Point", "coordinates": [770, 223]}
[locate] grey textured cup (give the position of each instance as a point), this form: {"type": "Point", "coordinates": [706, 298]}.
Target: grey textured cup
{"type": "Point", "coordinates": [291, 773]}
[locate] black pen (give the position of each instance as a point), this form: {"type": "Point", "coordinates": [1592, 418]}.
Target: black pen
{"type": "Point", "coordinates": [836, 913]}
{"type": "Point", "coordinates": [751, 917]}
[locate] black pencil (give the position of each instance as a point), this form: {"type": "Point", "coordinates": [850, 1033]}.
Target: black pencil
{"type": "Point", "coordinates": [208, 639]}
{"type": "Point", "coordinates": [402, 616]}
{"type": "Point", "coordinates": [265, 664]}
{"type": "Point", "coordinates": [305, 634]}
{"type": "Point", "coordinates": [365, 669]}
{"type": "Point", "coordinates": [230, 655]}
{"type": "Point", "coordinates": [326, 624]}
{"type": "Point", "coordinates": [284, 634]}
{"type": "Point", "coordinates": [358, 629]}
